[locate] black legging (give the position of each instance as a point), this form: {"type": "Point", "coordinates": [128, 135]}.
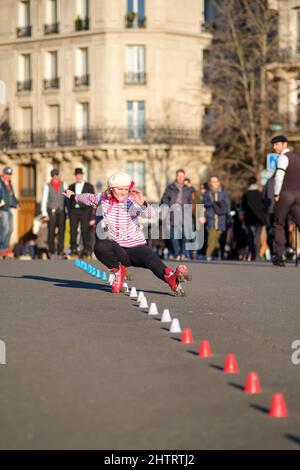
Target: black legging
{"type": "Point", "coordinates": [111, 254]}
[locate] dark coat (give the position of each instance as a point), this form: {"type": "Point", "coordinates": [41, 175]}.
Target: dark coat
{"type": "Point", "coordinates": [8, 197]}
{"type": "Point", "coordinates": [87, 188]}
{"type": "Point", "coordinates": [217, 208]}
{"type": "Point", "coordinates": [253, 207]}
{"type": "Point", "coordinates": [170, 195]}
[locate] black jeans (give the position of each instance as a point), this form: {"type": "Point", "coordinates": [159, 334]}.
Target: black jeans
{"type": "Point", "coordinates": [111, 254]}
{"type": "Point", "coordinates": [82, 216]}
{"type": "Point", "coordinates": [288, 204]}
{"type": "Point", "coordinates": [56, 219]}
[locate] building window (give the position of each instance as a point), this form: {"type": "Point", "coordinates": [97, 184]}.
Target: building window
{"type": "Point", "coordinates": [82, 120]}
{"type": "Point", "coordinates": [27, 182]}
{"type": "Point", "coordinates": [135, 120]}
{"type": "Point", "coordinates": [82, 77]}
{"type": "Point", "coordinates": [135, 15]}
{"type": "Point", "coordinates": [82, 15]}
{"type": "Point", "coordinates": [51, 25]}
{"type": "Point", "coordinates": [51, 71]}
{"type": "Point", "coordinates": [53, 125]}
{"type": "Point", "coordinates": [24, 28]}
{"type": "Point", "coordinates": [24, 73]}
{"type": "Point", "coordinates": [135, 65]}
{"type": "Point", "coordinates": [26, 138]}
{"type": "Point", "coordinates": [136, 169]}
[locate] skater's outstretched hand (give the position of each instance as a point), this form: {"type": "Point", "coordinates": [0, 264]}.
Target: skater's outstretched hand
{"type": "Point", "coordinates": [68, 193]}
{"type": "Point", "coordinates": [137, 196]}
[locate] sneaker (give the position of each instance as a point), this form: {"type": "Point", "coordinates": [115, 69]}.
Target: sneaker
{"type": "Point", "coordinates": [175, 278]}
{"type": "Point", "coordinates": [119, 276]}
{"type": "Point", "coordinates": [278, 261]}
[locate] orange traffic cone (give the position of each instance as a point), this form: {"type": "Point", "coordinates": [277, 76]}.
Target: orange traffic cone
{"type": "Point", "coordinates": [187, 337]}
{"type": "Point", "coordinates": [278, 408]}
{"type": "Point", "coordinates": [205, 349]}
{"type": "Point", "coordinates": [252, 383]}
{"type": "Point", "coordinates": [230, 364]}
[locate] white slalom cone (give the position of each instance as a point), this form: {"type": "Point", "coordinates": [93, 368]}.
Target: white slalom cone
{"type": "Point", "coordinates": [153, 309]}
{"type": "Point", "coordinates": [111, 279]}
{"type": "Point", "coordinates": [125, 286]}
{"type": "Point", "coordinates": [133, 293]}
{"type": "Point", "coordinates": [140, 296]}
{"type": "Point", "coordinates": [143, 303]}
{"type": "Point", "coordinates": [175, 326]}
{"type": "Point", "coordinates": [166, 317]}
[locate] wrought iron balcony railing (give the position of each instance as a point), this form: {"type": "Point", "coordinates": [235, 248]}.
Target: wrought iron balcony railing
{"type": "Point", "coordinates": [24, 31]}
{"type": "Point", "coordinates": [135, 78]}
{"type": "Point", "coordinates": [24, 85]}
{"type": "Point", "coordinates": [132, 20]}
{"type": "Point", "coordinates": [95, 136]}
{"type": "Point", "coordinates": [82, 24]}
{"type": "Point", "coordinates": [81, 80]}
{"type": "Point", "coordinates": [52, 28]}
{"type": "Point", "coordinates": [51, 83]}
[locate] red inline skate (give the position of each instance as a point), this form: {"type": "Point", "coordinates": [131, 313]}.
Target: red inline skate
{"type": "Point", "coordinates": [176, 278]}
{"type": "Point", "coordinates": [119, 277]}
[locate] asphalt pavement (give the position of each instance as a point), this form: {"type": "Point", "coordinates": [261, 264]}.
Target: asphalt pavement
{"type": "Point", "coordinates": [86, 369]}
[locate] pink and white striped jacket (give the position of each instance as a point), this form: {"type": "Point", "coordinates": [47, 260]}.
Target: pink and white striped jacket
{"type": "Point", "coordinates": [121, 218]}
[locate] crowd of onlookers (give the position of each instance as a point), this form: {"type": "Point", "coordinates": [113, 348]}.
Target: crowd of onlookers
{"type": "Point", "coordinates": [232, 231]}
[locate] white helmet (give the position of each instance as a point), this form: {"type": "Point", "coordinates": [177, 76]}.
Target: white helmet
{"type": "Point", "coordinates": [119, 179]}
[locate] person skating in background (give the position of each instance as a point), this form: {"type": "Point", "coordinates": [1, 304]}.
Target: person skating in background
{"type": "Point", "coordinates": [177, 194]}
{"type": "Point", "coordinates": [8, 201]}
{"type": "Point", "coordinates": [217, 208]}
{"type": "Point", "coordinates": [120, 241]}
{"type": "Point", "coordinates": [81, 214]}
{"type": "Point", "coordinates": [252, 206]}
{"type": "Point", "coordinates": [53, 211]}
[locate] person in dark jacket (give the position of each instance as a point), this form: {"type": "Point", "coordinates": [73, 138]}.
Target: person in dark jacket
{"type": "Point", "coordinates": [80, 213]}
{"type": "Point", "coordinates": [217, 208]}
{"type": "Point", "coordinates": [8, 201]}
{"type": "Point", "coordinates": [286, 194]}
{"type": "Point", "coordinates": [252, 206]}
{"type": "Point", "coordinates": [177, 194]}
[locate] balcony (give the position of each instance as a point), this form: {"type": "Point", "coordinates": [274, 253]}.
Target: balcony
{"type": "Point", "coordinates": [133, 20]}
{"type": "Point", "coordinates": [24, 85]}
{"type": "Point", "coordinates": [24, 31]}
{"type": "Point", "coordinates": [51, 28]}
{"type": "Point", "coordinates": [135, 78]}
{"type": "Point", "coordinates": [95, 136]}
{"type": "Point", "coordinates": [51, 83]}
{"type": "Point", "coordinates": [82, 24]}
{"type": "Point", "coordinates": [81, 80]}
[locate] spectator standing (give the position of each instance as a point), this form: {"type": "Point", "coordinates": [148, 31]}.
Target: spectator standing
{"type": "Point", "coordinates": [217, 208]}
{"type": "Point", "coordinates": [53, 211]}
{"type": "Point", "coordinates": [8, 201]}
{"type": "Point", "coordinates": [81, 214]}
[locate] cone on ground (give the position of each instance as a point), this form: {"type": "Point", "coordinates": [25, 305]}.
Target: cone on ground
{"type": "Point", "coordinates": [104, 276]}
{"type": "Point", "coordinates": [98, 274]}
{"type": "Point", "coordinates": [205, 349]}
{"type": "Point", "coordinates": [230, 364]}
{"type": "Point", "coordinates": [125, 287]}
{"type": "Point", "coordinates": [143, 303]}
{"type": "Point", "coordinates": [166, 317]}
{"type": "Point", "coordinates": [175, 326]}
{"type": "Point", "coordinates": [252, 383]}
{"type": "Point", "coordinates": [187, 337]}
{"type": "Point", "coordinates": [111, 279]}
{"type": "Point", "coordinates": [153, 309]}
{"type": "Point", "coordinates": [278, 408]}
{"type": "Point", "coordinates": [140, 296]}
{"type": "Point", "coordinates": [94, 272]}
{"type": "Point", "coordinates": [133, 293]}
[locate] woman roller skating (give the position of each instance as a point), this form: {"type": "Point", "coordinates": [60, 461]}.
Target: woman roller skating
{"type": "Point", "coordinates": [125, 244]}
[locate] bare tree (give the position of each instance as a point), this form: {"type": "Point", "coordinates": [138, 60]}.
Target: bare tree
{"type": "Point", "coordinates": [244, 97]}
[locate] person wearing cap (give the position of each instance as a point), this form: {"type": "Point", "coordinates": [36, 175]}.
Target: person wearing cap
{"type": "Point", "coordinates": [53, 211]}
{"type": "Point", "coordinates": [79, 213]}
{"type": "Point", "coordinates": [120, 241]}
{"type": "Point", "coordinates": [286, 194]}
{"type": "Point", "coordinates": [8, 201]}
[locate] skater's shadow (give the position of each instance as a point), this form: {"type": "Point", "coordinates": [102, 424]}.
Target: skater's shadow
{"type": "Point", "coordinates": [68, 283]}
{"type": "Point", "coordinates": [169, 294]}
{"type": "Point", "coordinates": [294, 439]}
